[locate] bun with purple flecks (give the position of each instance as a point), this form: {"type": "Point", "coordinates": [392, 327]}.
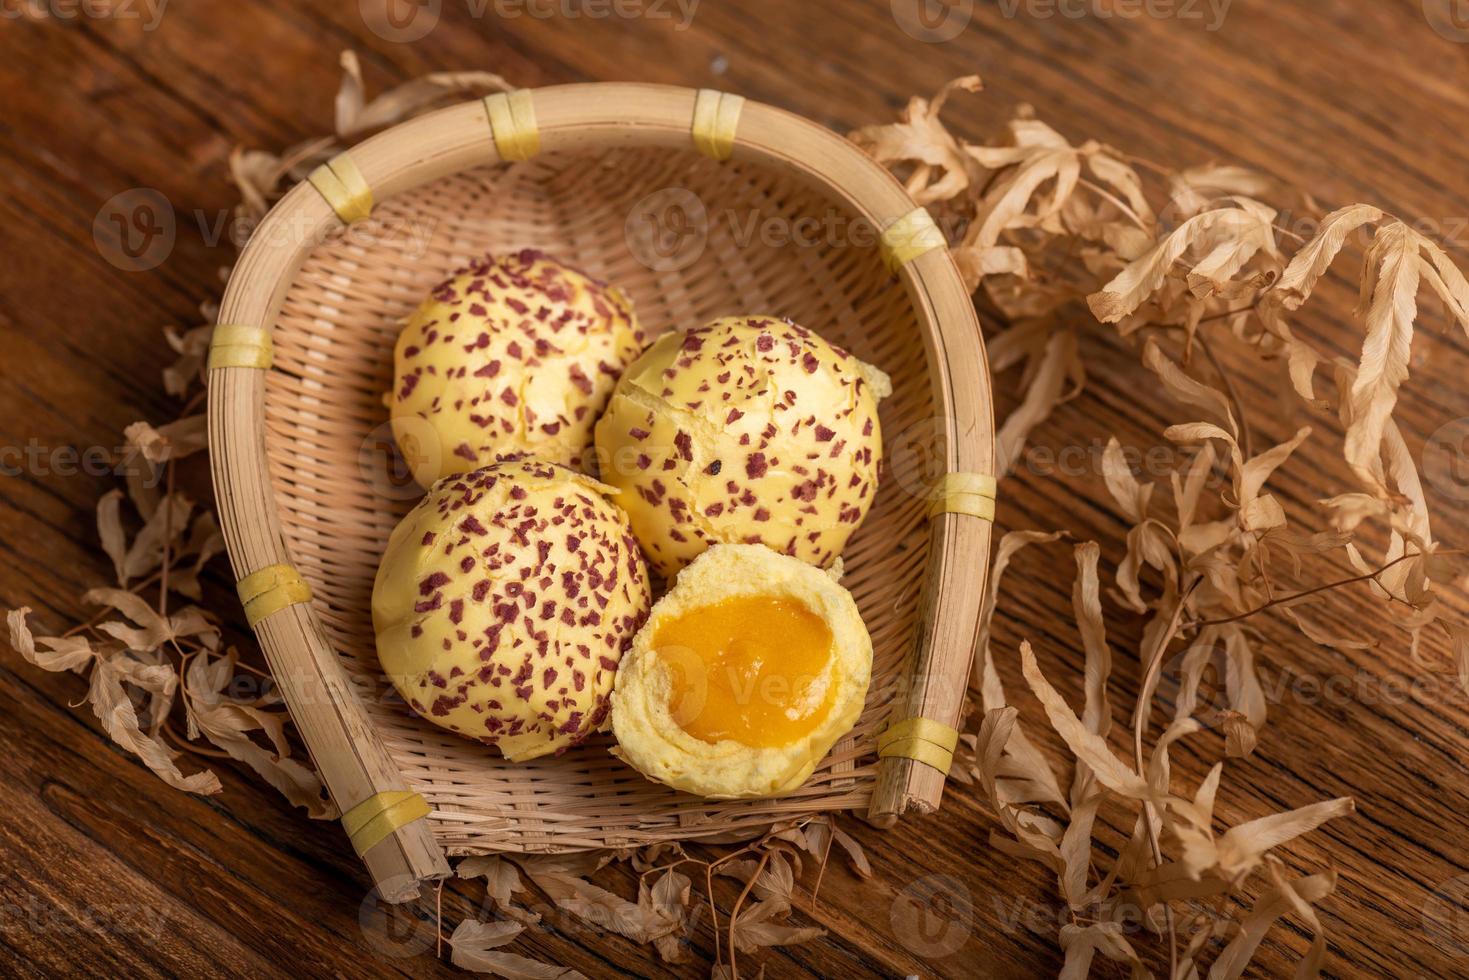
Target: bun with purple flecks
{"type": "Point", "coordinates": [504, 603]}
{"type": "Point", "coordinates": [747, 430]}
{"type": "Point", "coordinates": [515, 354]}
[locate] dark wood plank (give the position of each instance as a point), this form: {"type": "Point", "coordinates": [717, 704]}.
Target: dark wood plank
{"type": "Point", "coordinates": [107, 869]}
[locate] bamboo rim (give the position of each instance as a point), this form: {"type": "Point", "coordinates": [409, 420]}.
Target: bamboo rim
{"type": "Point", "coordinates": [353, 759]}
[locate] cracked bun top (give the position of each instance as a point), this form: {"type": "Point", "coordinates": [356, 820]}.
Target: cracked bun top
{"type": "Point", "coordinates": [751, 430]}
{"type": "Point", "coordinates": [504, 603]}
{"type": "Point", "coordinates": [512, 355]}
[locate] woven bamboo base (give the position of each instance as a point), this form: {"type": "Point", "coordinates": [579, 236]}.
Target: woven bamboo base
{"type": "Point", "coordinates": [329, 447]}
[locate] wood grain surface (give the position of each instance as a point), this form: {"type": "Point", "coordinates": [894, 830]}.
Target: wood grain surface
{"type": "Point", "coordinates": [105, 870]}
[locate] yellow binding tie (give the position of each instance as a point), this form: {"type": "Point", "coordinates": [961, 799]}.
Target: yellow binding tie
{"type": "Point", "coordinates": [912, 235]}
{"type": "Point", "coordinates": [343, 187]}
{"type": "Point", "coordinates": [237, 345]}
{"type": "Point", "coordinates": [716, 118]}
{"type": "Point", "coordinates": [921, 739]}
{"type": "Point", "coordinates": [513, 124]}
{"type": "Point", "coordinates": [270, 590]}
{"type": "Point", "coordinates": [964, 493]}
{"type": "Point", "coordinates": [371, 821]}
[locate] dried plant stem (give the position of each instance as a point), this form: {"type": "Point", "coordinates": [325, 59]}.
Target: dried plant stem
{"type": "Point", "coordinates": [1246, 439]}
{"type": "Point", "coordinates": [1297, 596]}
{"type": "Point", "coordinates": [1139, 726]}
{"type": "Point", "coordinates": [167, 539]}
{"type": "Point", "coordinates": [821, 871]}
{"type": "Point", "coordinates": [183, 742]}
{"type": "Point", "coordinates": [1115, 201]}
{"type": "Point", "coordinates": [713, 908]}
{"type": "Point", "coordinates": [734, 913]}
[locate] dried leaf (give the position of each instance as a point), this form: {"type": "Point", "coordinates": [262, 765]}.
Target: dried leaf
{"type": "Point", "coordinates": [114, 709]}
{"type": "Point", "coordinates": [61, 653]}
{"type": "Point", "coordinates": [475, 946]}
{"type": "Point", "coordinates": [1081, 943]}
{"type": "Point", "coordinates": [594, 904]}
{"type": "Point", "coordinates": [1090, 748]}
{"type": "Point", "coordinates": [502, 881]}
{"type": "Point", "coordinates": [756, 928]}
{"type": "Point", "coordinates": [1389, 307]}
{"type": "Point", "coordinates": [941, 170]}
{"type": "Point", "coordinates": [1285, 897]}
{"type": "Point", "coordinates": [172, 441]}
{"type": "Point", "coordinates": [109, 529]}
{"type": "Point", "coordinates": [355, 115]}
{"type": "Point", "coordinates": [1045, 390]}
{"type": "Point", "coordinates": [227, 724]}
{"type": "Point", "coordinates": [1241, 847]}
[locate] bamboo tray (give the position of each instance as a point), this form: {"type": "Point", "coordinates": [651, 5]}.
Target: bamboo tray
{"type": "Point", "coordinates": [298, 448]}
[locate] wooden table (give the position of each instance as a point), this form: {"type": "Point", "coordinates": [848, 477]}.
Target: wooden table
{"type": "Point", "coordinates": [106, 870]}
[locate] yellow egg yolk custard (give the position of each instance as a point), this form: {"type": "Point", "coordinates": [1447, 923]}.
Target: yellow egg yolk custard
{"type": "Point", "coordinates": [747, 672]}
{"type": "Point", "coordinates": [749, 668]}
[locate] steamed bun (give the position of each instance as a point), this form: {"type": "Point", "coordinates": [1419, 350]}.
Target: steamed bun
{"type": "Point", "coordinates": [514, 354]}
{"type": "Point", "coordinates": [747, 430]}
{"type": "Point", "coordinates": [504, 603]}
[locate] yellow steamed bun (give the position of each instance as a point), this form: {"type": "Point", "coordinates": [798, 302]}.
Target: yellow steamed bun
{"type": "Point", "coordinates": [748, 671]}
{"type": "Point", "coordinates": [504, 603]}
{"type": "Point", "coordinates": [515, 354]}
{"type": "Point", "coordinates": [749, 429]}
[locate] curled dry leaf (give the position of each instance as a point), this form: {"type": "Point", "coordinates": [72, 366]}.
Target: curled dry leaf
{"type": "Point", "coordinates": [594, 903]}
{"type": "Point", "coordinates": [940, 169]}
{"type": "Point", "coordinates": [228, 725]}
{"type": "Point", "coordinates": [59, 653]}
{"type": "Point", "coordinates": [502, 881]}
{"type": "Point", "coordinates": [357, 115]}
{"type": "Point", "coordinates": [175, 440]}
{"type": "Point", "coordinates": [475, 946]}
{"type": "Point", "coordinates": [757, 927]}
{"type": "Point", "coordinates": [114, 709]}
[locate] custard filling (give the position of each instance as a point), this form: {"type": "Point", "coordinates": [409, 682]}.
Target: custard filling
{"type": "Point", "coordinates": [754, 669]}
